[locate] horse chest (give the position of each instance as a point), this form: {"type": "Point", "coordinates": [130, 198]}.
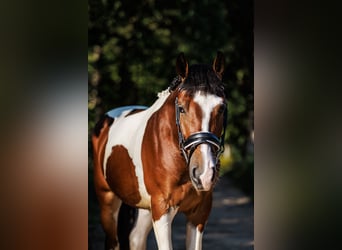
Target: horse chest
{"type": "Point", "coordinates": [187, 198]}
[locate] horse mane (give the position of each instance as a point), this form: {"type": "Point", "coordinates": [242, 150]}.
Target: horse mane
{"type": "Point", "coordinates": [201, 77]}
{"type": "Point", "coordinates": [175, 82]}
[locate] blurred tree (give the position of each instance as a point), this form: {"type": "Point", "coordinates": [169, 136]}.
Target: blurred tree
{"type": "Point", "coordinates": [132, 47]}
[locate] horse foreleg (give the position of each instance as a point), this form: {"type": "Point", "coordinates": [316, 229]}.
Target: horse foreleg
{"type": "Point", "coordinates": [193, 237]}
{"type": "Point", "coordinates": [196, 220]}
{"type": "Point", "coordinates": [162, 229]}
{"type": "Point", "coordinates": [138, 236]}
{"type": "Point", "coordinates": [110, 204]}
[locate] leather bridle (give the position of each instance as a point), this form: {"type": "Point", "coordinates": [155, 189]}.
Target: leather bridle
{"type": "Point", "coordinates": [188, 146]}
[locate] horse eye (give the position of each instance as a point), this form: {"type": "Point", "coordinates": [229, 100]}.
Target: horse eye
{"type": "Point", "coordinates": [181, 109]}
{"type": "Point", "coordinates": [222, 109]}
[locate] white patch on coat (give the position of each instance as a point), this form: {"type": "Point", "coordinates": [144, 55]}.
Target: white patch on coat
{"type": "Point", "coordinates": [128, 132]}
{"type": "Point", "coordinates": [162, 229]}
{"type": "Point", "coordinates": [193, 237]}
{"type": "Point", "coordinates": [142, 227]}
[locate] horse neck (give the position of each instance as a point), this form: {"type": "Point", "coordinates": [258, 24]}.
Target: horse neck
{"type": "Point", "coordinates": [164, 121]}
{"type": "Point", "coordinates": [166, 116]}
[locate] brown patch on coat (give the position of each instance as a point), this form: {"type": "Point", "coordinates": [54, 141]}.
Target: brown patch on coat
{"type": "Point", "coordinates": [121, 177]}
{"type": "Point", "coordinates": [216, 120]}
{"type": "Point", "coordinates": [197, 207]}
{"type": "Point", "coordinates": [99, 140]}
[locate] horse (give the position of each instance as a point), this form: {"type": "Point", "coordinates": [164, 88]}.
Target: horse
{"type": "Point", "coordinates": [163, 159]}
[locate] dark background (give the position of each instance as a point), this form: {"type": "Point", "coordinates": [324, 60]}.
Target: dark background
{"type": "Point", "coordinates": [132, 47]}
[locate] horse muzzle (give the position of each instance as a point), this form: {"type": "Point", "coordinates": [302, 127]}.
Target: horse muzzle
{"type": "Point", "coordinates": [202, 182]}
{"type": "Point", "coordinates": [202, 168]}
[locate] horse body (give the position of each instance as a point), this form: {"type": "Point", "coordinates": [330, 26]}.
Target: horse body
{"type": "Point", "coordinates": [138, 161]}
{"type": "Point", "coordinates": [124, 149]}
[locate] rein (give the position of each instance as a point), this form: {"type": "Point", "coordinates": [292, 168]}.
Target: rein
{"type": "Point", "coordinates": [198, 138]}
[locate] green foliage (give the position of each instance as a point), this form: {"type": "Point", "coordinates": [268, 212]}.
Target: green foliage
{"type": "Point", "coordinates": [132, 47]}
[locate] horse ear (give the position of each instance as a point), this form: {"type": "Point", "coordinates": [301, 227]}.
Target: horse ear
{"type": "Point", "coordinates": [182, 65]}
{"type": "Point", "coordinates": [218, 65]}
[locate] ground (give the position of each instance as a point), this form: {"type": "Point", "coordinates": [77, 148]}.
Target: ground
{"type": "Point", "coordinates": [230, 225]}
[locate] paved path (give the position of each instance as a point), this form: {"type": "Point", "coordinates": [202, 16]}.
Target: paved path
{"type": "Point", "coordinates": [230, 225]}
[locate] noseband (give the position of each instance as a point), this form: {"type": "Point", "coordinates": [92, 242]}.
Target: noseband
{"type": "Point", "coordinates": [188, 146]}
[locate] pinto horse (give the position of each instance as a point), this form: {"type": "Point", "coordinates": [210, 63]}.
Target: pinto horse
{"type": "Point", "coordinates": [163, 159]}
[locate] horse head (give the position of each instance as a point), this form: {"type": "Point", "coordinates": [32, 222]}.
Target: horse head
{"type": "Point", "coordinates": [200, 109]}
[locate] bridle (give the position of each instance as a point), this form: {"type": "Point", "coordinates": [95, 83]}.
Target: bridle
{"type": "Point", "coordinates": [188, 146]}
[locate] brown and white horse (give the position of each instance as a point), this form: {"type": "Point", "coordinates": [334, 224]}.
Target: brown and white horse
{"type": "Point", "coordinates": [163, 159]}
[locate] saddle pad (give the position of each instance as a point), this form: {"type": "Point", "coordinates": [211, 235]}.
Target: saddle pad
{"type": "Point", "coordinates": [118, 111]}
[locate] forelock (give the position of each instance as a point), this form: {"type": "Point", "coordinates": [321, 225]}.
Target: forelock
{"type": "Point", "coordinates": [202, 78]}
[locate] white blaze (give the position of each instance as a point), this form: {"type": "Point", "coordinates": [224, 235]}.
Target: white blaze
{"type": "Point", "coordinates": [207, 102]}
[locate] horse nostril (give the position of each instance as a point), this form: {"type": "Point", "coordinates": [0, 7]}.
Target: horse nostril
{"type": "Point", "coordinates": [194, 172]}
{"type": "Point", "coordinates": [195, 179]}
